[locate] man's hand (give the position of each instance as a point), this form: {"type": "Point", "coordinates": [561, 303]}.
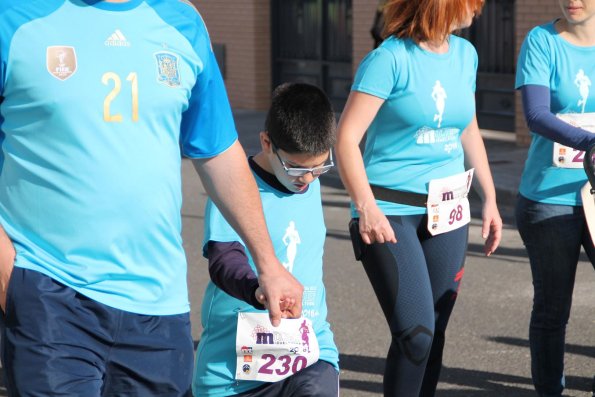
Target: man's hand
{"type": "Point", "coordinates": [281, 294]}
{"type": "Point", "coordinates": [7, 255]}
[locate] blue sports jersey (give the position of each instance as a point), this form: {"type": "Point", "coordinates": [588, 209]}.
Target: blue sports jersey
{"type": "Point", "coordinates": [567, 70]}
{"type": "Point", "coordinates": [100, 102]}
{"type": "Point", "coordinates": [429, 100]}
{"type": "Point", "coordinates": [296, 226]}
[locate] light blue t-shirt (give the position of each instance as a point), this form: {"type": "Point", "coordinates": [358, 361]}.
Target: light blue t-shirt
{"type": "Point", "coordinates": [429, 101]}
{"type": "Point", "coordinates": [296, 226]}
{"type": "Point", "coordinates": [568, 71]}
{"type": "Point", "coordinates": [101, 100]}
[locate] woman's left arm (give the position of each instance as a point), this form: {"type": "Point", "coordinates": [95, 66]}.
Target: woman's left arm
{"type": "Point", "coordinates": [476, 157]}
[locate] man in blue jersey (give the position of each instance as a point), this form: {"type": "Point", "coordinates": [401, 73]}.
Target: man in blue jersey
{"type": "Point", "coordinates": [239, 352]}
{"type": "Point", "coordinates": [99, 101]}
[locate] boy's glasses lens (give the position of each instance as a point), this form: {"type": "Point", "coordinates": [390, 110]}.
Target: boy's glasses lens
{"type": "Point", "coordinates": [304, 171]}
{"type": "Point", "coordinates": [298, 172]}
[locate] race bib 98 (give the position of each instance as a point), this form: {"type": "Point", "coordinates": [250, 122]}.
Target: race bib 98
{"type": "Point", "coordinates": [448, 205]}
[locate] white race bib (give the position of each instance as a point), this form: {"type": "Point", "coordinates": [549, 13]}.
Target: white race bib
{"type": "Point", "coordinates": [448, 205]}
{"type": "Point", "coordinates": [589, 208]}
{"type": "Point", "coordinates": [270, 354]}
{"type": "Point", "coordinates": [567, 157]}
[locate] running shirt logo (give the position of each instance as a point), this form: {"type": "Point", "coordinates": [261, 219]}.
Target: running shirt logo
{"type": "Point", "coordinates": [291, 239]}
{"type": "Point", "coordinates": [117, 39]}
{"type": "Point", "coordinates": [61, 61]}
{"type": "Point", "coordinates": [439, 97]}
{"type": "Point", "coordinates": [582, 81]}
{"type": "Point", "coordinates": [168, 72]}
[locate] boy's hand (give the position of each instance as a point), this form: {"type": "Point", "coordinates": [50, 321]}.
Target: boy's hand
{"type": "Point", "coordinates": [281, 294]}
{"type": "Point", "coordinates": [286, 306]}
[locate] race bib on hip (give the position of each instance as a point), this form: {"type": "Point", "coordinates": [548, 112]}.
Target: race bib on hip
{"type": "Point", "coordinates": [567, 157]}
{"type": "Point", "coordinates": [270, 354]}
{"type": "Point", "coordinates": [448, 205]}
{"type": "Point", "coordinates": [588, 196]}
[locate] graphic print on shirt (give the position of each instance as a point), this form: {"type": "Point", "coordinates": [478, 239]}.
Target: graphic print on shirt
{"type": "Point", "coordinates": [431, 135]}
{"type": "Point", "coordinates": [291, 239]}
{"type": "Point", "coordinates": [439, 96]}
{"type": "Point", "coordinates": [167, 69]}
{"type": "Point", "coordinates": [583, 82]}
{"type": "Point", "coordinates": [61, 61]}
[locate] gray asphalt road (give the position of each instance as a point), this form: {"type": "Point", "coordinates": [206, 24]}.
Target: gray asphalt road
{"type": "Point", "coordinates": [487, 349]}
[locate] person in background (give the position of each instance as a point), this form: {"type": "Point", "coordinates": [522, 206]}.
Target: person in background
{"type": "Point", "coordinates": [378, 24]}
{"type": "Point", "coordinates": [555, 72]}
{"type": "Point", "coordinates": [414, 96]}
{"type": "Point", "coordinates": [99, 101]}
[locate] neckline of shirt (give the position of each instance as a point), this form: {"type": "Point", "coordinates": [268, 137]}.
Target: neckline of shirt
{"type": "Point", "coordinates": [109, 6]}
{"type": "Point", "coordinates": [436, 55]}
{"type": "Point", "coordinates": [556, 34]}
{"type": "Point", "coordinates": [271, 179]}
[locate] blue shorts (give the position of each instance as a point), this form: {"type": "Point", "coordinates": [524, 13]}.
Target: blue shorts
{"type": "Point", "coordinates": [56, 341]}
{"type": "Point", "coordinates": [320, 379]}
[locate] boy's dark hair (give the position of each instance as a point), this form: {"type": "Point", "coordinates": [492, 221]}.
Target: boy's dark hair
{"type": "Point", "coordinates": [301, 119]}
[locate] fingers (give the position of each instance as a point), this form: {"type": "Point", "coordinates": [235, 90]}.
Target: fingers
{"type": "Point", "coordinates": [274, 309]}
{"type": "Point", "coordinates": [381, 233]}
{"type": "Point", "coordinates": [494, 236]}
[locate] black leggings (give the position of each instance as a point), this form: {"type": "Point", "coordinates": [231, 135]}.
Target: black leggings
{"type": "Point", "coordinates": [416, 282]}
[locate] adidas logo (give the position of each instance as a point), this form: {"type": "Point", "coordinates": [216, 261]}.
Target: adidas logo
{"type": "Point", "coordinates": [117, 39]}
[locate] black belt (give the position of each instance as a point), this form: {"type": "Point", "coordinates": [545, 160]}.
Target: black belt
{"type": "Point", "coordinates": [399, 196]}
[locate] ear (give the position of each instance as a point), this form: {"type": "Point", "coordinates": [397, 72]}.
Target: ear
{"type": "Point", "coordinates": [265, 142]}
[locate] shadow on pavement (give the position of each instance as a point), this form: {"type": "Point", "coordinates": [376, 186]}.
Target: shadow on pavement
{"type": "Point", "coordinates": [587, 351]}
{"type": "Point", "coordinates": [486, 384]}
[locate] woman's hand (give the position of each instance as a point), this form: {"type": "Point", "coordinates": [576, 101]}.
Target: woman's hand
{"type": "Point", "coordinates": [491, 229]}
{"type": "Point", "coordinates": [374, 227]}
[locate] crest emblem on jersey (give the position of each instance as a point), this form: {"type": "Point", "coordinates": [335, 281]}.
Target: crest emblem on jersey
{"type": "Point", "coordinates": [168, 72]}
{"type": "Point", "coordinates": [61, 61]}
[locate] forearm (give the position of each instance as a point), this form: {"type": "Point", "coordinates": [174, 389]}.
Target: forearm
{"type": "Point", "coordinates": [476, 157]}
{"type": "Point", "coordinates": [230, 184]}
{"type": "Point", "coordinates": [540, 120]}
{"type": "Point", "coordinates": [359, 112]}
{"type": "Point", "coordinates": [231, 272]}
{"type": "Point", "coordinates": [353, 174]}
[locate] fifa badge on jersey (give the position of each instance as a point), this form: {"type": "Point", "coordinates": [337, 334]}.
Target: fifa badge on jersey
{"type": "Point", "coordinates": [168, 72]}
{"type": "Point", "coordinates": [61, 61]}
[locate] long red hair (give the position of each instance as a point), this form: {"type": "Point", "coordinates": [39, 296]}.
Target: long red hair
{"type": "Point", "coordinates": [426, 20]}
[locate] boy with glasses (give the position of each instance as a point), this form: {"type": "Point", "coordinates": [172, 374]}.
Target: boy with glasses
{"type": "Point", "coordinates": [239, 352]}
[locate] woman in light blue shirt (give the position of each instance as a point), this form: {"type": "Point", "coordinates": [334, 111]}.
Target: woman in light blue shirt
{"type": "Point", "coordinates": [555, 71]}
{"type": "Point", "coordinates": [415, 97]}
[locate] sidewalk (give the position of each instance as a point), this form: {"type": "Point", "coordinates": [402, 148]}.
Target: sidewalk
{"type": "Point", "coordinates": [505, 157]}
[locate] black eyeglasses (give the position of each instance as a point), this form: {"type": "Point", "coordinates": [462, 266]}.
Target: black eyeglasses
{"type": "Point", "coordinates": [297, 172]}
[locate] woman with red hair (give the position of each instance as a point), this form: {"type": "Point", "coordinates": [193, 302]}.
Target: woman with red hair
{"type": "Point", "coordinates": [414, 96]}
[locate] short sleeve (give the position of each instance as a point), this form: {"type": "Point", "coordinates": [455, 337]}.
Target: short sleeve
{"type": "Point", "coordinates": [207, 127]}
{"type": "Point", "coordinates": [376, 74]}
{"type": "Point", "coordinates": [533, 66]}
{"type": "Point", "coordinates": [475, 66]}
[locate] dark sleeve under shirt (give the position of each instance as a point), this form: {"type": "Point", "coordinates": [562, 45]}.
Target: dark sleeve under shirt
{"type": "Point", "coordinates": [229, 270]}
{"type": "Point", "coordinates": [541, 120]}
